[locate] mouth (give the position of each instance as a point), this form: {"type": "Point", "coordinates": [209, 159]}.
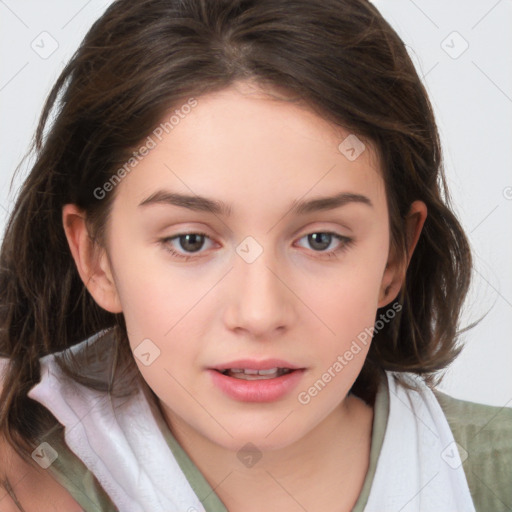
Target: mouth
{"type": "Point", "coordinates": [256, 381]}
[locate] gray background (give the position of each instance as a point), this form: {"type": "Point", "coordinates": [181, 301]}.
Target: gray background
{"type": "Point", "coordinates": [462, 49]}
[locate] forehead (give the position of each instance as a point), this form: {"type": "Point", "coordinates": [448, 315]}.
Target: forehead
{"type": "Point", "coordinates": [242, 145]}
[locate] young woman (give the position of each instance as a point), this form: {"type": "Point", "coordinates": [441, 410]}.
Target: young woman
{"type": "Point", "coordinates": [233, 273]}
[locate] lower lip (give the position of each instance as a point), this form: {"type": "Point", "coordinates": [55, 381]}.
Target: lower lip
{"type": "Point", "coordinates": [263, 390]}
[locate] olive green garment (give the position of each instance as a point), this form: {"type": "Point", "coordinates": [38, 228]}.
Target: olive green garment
{"type": "Point", "coordinates": [483, 435]}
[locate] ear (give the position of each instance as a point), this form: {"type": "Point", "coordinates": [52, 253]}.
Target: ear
{"type": "Point", "coordinates": [394, 274]}
{"type": "Point", "coordinates": [91, 260]}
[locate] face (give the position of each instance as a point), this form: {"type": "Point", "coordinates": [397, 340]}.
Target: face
{"type": "Point", "coordinates": [264, 276]}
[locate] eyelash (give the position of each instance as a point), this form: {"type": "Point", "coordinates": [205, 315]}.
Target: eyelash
{"type": "Point", "coordinates": [346, 244]}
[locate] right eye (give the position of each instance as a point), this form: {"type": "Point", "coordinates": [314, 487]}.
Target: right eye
{"type": "Point", "coordinates": [190, 243]}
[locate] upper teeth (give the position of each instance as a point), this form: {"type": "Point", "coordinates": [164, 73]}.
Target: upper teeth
{"type": "Point", "coordinates": [249, 371]}
{"type": "Point", "coordinates": [251, 374]}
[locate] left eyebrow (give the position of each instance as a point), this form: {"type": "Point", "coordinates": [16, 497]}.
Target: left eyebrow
{"type": "Point", "coordinates": [204, 204]}
{"type": "Point", "coordinates": [329, 203]}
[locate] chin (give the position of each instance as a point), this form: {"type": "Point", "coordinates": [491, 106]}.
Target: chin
{"type": "Point", "coordinates": [260, 436]}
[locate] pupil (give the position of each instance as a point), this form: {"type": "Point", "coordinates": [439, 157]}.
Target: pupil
{"type": "Point", "coordinates": [192, 242]}
{"type": "Point", "coordinates": [323, 239]}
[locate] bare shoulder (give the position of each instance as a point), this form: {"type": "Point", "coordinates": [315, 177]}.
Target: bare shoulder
{"type": "Point", "coordinates": [26, 487]}
{"type": "Point", "coordinates": [30, 488]}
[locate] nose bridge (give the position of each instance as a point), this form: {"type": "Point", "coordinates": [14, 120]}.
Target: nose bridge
{"type": "Point", "coordinates": [261, 302]}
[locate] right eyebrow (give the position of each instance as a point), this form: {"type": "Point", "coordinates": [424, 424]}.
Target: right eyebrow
{"type": "Point", "coordinates": [197, 203]}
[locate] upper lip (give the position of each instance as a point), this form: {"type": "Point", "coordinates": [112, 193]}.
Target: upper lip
{"type": "Point", "coordinates": [252, 364]}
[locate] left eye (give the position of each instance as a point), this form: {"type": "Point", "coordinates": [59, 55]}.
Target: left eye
{"type": "Point", "coordinates": [321, 240]}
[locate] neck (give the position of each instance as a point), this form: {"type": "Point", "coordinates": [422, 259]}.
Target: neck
{"type": "Point", "coordinates": [324, 470]}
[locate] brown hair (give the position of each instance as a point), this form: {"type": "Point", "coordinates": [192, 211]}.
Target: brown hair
{"type": "Point", "coordinates": [141, 58]}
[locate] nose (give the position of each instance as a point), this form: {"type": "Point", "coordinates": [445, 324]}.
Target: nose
{"type": "Point", "coordinates": [261, 302]}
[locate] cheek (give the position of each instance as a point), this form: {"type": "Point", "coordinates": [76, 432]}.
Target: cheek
{"type": "Point", "coordinates": [346, 297]}
{"type": "Point", "coordinates": [347, 308]}
{"type": "Point", "coordinates": [165, 309]}
{"type": "Point", "coordinates": [163, 331]}
{"type": "Point", "coordinates": [154, 293]}
{"type": "Point", "coordinates": [348, 316]}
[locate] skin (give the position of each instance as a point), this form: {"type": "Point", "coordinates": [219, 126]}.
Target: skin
{"type": "Point", "coordinates": [258, 154]}
{"type": "Point", "coordinates": [34, 487]}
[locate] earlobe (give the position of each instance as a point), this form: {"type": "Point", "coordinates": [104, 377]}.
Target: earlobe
{"type": "Point", "coordinates": [396, 268]}
{"type": "Point", "coordinates": [91, 260]}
